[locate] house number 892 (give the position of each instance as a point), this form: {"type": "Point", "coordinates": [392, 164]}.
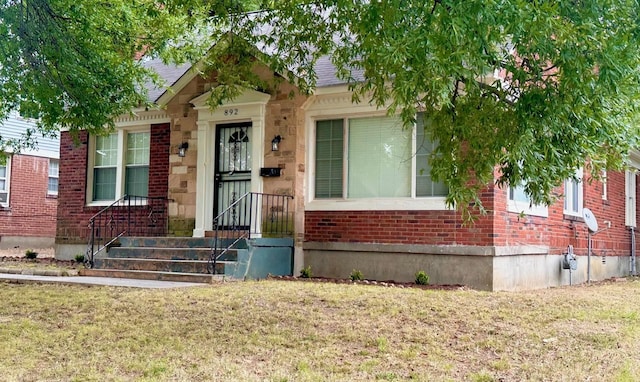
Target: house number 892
{"type": "Point", "coordinates": [230, 111]}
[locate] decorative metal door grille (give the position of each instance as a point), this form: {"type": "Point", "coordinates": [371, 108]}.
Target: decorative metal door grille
{"type": "Point", "coordinates": [233, 171]}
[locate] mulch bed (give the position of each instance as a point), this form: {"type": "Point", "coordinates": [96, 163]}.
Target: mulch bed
{"type": "Point", "coordinates": [43, 261]}
{"type": "Point", "coordinates": [388, 284]}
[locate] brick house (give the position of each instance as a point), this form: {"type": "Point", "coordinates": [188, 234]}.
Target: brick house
{"type": "Point", "coordinates": [361, 198]}
{"type": "Point", "coordinates": [28, 190]}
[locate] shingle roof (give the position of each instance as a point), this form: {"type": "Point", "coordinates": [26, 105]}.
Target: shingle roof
{"type": "Point", "coordinates": [170, 74]}
{"type": "Point", "coordinates": [326, 73]}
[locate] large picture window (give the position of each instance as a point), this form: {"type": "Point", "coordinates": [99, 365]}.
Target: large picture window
{"type": "Point", "coordinates": [120, 165]}
{"type": "Point", "coordinates": [373, 157]}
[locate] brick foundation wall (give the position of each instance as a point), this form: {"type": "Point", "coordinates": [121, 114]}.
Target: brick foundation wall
{"type": "Point", "coordinates": [73, 214]}
{"type": "Point", "coordinates": [31, 212]}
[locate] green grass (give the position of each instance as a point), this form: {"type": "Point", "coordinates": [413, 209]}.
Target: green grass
{"type": "Point", "coordinates": [304, 331]}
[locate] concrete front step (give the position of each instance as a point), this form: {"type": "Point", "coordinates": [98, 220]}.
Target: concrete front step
{"type": "Point", "coordinates": [156, 264]}
{"type": "Point", "coordinates": [152, 275]}
{"type": "Point", "coordinates": [161, 258]}
{"type": "Point", "coordinates": [163, 253]}
{"type": "Point", "coordinates": [166, 242]}
{"type": "Point", "coordinates": [173, 242]}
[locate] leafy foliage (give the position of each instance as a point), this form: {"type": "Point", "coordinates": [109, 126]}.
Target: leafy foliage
{"type": "Point", "coordinates": [30, 254]}
{"type": "Point", "coordinates": [422, 278]}
{"type": "Point", "coordinates": [535, 88]}
{"type": "Point", "coordinates": [356, 275]}
{"type": "Point", "coordinates": [305, 272]}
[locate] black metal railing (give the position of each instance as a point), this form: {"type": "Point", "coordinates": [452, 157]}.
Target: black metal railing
{"type": "Point", "coordinates": [252, 215]}
{"type": "Point", "coordinates": [130, 215]}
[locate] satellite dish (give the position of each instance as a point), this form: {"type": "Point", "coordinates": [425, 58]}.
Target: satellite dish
{"type": "Point", "coordinates": [590, 220]}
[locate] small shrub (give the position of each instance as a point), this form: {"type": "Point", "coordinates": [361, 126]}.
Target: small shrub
{"type": "Point", "coordinates": [422, 278]}
{"type": "Point", "coordinates": [305, 273]}
{"type": "Point", "coordinates": [356, 275]}
{"type": "Point", "coordinates": [79, 258]}
{"type": "Point", "coordinates": [30, 254]}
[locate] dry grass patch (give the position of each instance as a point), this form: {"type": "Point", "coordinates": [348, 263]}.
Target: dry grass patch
{"type": "Point", "coordinates": [296, 331]}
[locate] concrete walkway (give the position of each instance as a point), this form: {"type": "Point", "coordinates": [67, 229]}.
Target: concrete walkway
{"type": "Point", "coordinates": [85, 280]}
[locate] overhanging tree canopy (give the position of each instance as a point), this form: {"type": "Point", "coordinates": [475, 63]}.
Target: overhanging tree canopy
{"type": "Point", "coordinates": [568, 89]}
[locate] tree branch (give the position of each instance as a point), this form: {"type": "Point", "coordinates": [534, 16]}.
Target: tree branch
{"type": "Point", "coordinates": [435, 4]}
{"type": "Point", "coordinates": [502, 96]}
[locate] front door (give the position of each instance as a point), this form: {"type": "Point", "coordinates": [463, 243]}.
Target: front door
{"type": "Point", "coordinates": [233, 166]}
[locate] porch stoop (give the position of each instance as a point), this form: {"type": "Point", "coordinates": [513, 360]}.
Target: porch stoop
{"type": "Point", "coordinates": [161, 258]}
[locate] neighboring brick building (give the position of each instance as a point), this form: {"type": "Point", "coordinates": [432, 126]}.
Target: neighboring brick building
{"type": "Point", "coordinates": [28, 190]}
{"type": "Point", "coordinates": [361, 199]}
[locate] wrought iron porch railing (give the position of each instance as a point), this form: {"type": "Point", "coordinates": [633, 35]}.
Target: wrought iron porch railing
{"type": "Point", "coordinates": [130, 215]}
{"type": "Point", "coordinates": [252, 215]}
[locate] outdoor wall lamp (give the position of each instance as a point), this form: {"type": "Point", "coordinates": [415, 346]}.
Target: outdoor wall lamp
{"type": "Point", "coordinates": [275, 142]}
{"type": "Point", "coordinates": [182, 149]}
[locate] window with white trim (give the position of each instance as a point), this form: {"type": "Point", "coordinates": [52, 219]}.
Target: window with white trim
{"type": "Point", "coordinates": [520, 202]}
{"type": "Point", "coordinates": [119, 165]}
{"type": "Point", "coordinates": [630, 198]}
{"type": "Point", "coordinates": [573, 195]}
{"type": "Point", "coordinates": [4, 182]}
{"type": "Point", "coordinates": [604, 184]}
{"type": "Point", "coordinates": [371, 157]}
{"type": "Point", "coordinates": [54, 171]}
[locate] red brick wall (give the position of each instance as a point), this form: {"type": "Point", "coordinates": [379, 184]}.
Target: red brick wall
{"type": "Point", "coordinates": [401, 227]}
{"type": "Point", "coordinates": [159, 160]}
{"type": "Point", "coordinates": [31, 212]}
{"type": "Point", "coordinates": [558, 230]}
{"type": "Point", "coordinates": [73, 214]}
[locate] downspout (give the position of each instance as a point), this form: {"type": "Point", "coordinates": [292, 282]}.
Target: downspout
{"type": "Point", "coordinates": [633, 251]}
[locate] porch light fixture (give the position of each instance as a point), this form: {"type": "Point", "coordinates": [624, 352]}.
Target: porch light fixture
{"type": "Point", "coordinates": [275, 142]}
{"type": "Point", "coordinates": [182, 149]}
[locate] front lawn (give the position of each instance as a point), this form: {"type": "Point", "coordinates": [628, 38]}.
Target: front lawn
{"type": "Point", "coordinates": [304, 331]}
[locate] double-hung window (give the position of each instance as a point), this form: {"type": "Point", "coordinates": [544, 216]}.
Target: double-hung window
{"type": "Point", "coordinates": [372, 158]}
{"type": "Point", "coordinates": [573, 192]}
{"type": "Point", "coordinates": [120, 165]}
{"type": "Point", "coordinates": [54, 171]}
{"type": "Point", "coordinates": [137, 164]}
{"type": "Point", "coordinates": [4, 182]}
